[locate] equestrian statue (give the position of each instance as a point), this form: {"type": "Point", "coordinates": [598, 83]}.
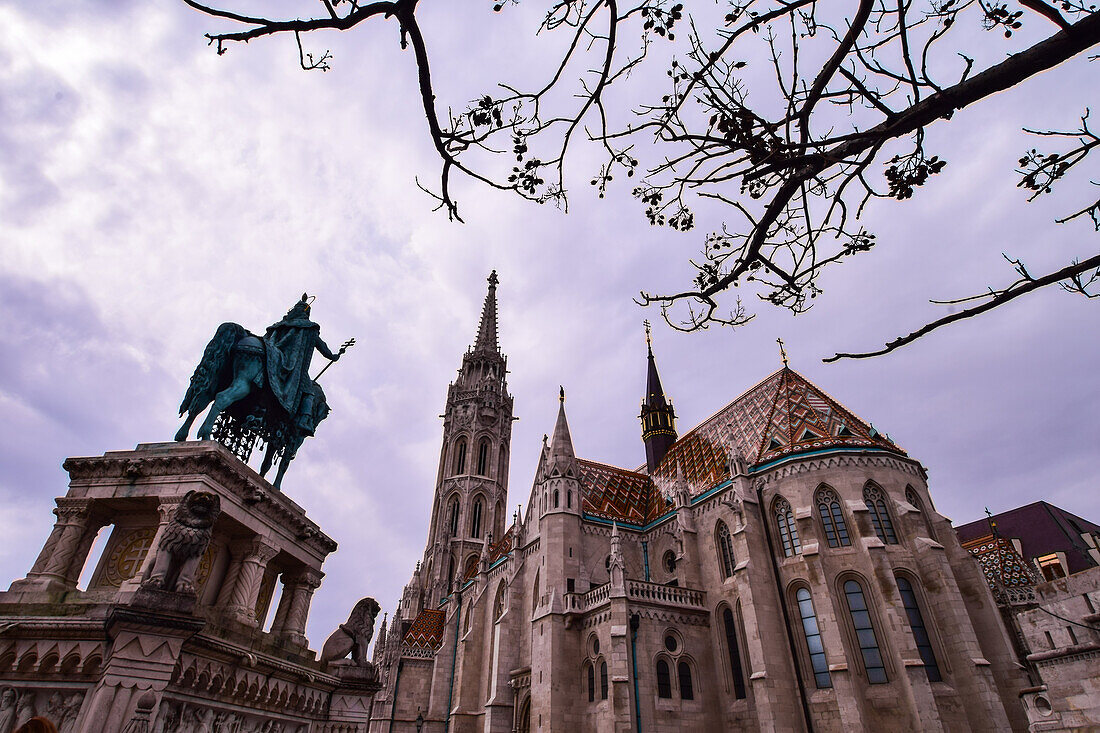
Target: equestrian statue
{"type": "Point", "coordinates": [261, 388]}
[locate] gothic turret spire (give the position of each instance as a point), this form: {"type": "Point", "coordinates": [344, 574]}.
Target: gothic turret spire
{"type": "Point", "coordinates": [487, 330]}
{"type": "Point", "coordinates": [561, 454]}
{"type": "Point", "coordinates": [658, 417]}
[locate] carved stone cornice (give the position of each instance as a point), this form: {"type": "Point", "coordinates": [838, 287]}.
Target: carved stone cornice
{"type": "Point", "coordinates": [851, 460]}
{"type": "Point", "coordinates": [206, 459]}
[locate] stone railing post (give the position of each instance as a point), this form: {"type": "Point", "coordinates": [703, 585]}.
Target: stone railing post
{"type": "Point", "coordinates": [301, 595]}
{"type": "Point", "coordinates": [246, 588]}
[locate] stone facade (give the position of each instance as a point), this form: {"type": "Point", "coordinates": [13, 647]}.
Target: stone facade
{"type": "Point", "coordinates": [118, 654]}
{"type": "Point", "coordinates": [1061, 633]}
{"type": "Point", "coordinates": [782, 568]}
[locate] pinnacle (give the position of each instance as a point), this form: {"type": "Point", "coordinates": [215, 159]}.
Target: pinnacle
{"type": "Point", "coordinates": [487, 329]}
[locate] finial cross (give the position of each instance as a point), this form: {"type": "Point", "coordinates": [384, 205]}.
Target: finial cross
{"type": "Point", "coordinates": [782, 351]}
{"type": "Point", "coordinates": [648, 333]}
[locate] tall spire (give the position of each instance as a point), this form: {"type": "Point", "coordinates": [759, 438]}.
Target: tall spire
{"type": "Point", "coordinates": [658, 417]}
{"type": "Point", "coordinates": [561, 454]}
{"type": "Point", "coordinates": [487, 330]}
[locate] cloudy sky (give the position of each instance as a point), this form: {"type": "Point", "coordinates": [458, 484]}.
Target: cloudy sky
{"type": "Point", "coordinates": [150, 190]}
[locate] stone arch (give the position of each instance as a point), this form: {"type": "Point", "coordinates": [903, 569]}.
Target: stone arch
{"type": "Point", "coordinates": [860, 611]}
{"type": "Point", "coordinates": [730, 633]}
{"type": "Point", "coordinates": [927, 614]}
{"type": "Point", "coordinates": [877, 501]}
{"type": "Point", "coordinates": [811, 657]}
{"type": "Point", "coordinates": [830, 512]}
{"type": "Point", "coordinates": [27, 661]}
{"type": "Point", "coordinates": [477, 515]}
{"type": "Point", "coordinates": [484, 457]}
{"type": "Point", "coordinates": [914, 499]}
{"type": "Point", "coordinates": [459, 457]}
{"type": "Point", "coordinates": [92, 664]}
{"type": "Point", "coordinates": [789, 542]}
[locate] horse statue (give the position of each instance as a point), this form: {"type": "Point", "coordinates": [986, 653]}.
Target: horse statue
{"type": "Point", "coordinates": [260, 388]}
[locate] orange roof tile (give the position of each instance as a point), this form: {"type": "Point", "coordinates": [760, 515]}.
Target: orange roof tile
{"type": "Point", "coordinates": [619, 494]}
{"type": "Point", "coordinates": [426, 631]}
{"type": "Point", "coordinates": [783, 415]}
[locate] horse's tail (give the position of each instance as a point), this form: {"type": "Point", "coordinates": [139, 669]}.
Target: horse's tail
{"type": "Point", "coordinates": [204, 381]}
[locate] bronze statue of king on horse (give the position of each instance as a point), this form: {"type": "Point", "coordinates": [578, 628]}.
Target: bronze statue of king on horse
{"type": "Point", "coordinates": [260, 388]}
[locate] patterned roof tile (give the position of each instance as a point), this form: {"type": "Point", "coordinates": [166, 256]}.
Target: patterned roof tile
{"type": "Point", "coordinates": [426, 631]}
{"type": "Point", "coordinates": [783, 415]}
{"type": "Point", "coordinates": [619, 494]}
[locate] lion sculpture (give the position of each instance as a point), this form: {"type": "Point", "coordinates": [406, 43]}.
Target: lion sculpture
{"type": "Point", "coordinates": [353, 637]}
{"type": "Point", "coordinates": [183, 543]}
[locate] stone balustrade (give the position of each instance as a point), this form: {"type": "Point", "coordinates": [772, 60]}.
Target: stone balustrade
{"type": "Point", "coordinates": [665, 595]}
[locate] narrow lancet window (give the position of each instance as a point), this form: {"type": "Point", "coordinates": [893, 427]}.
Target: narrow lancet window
{"type": "Point", "coordinates": [865, 633]}
{"type": "Point", "coordinates": [812, 633]}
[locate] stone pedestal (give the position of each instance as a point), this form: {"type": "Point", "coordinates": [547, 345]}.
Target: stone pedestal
{"type": "Point", "coordinates": [146, 642]}
{"type": "Point", "coordinates": [194, 661]}
{"type": "Point", "coordinates": [351, 701]}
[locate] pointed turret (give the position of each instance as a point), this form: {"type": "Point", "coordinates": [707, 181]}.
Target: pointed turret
{"type": "Point", "coordinates": [658, 417]}
{"type": "Point", "coordinates": [561, 458]}
{"type": "Point", "coordinates": [487, 329]}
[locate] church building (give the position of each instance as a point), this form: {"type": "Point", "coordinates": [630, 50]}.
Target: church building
{"type": "Point", "coordinates": [780, 566]}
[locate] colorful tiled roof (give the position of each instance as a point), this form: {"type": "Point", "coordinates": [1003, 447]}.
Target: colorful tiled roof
{"type": "Point", "coordinates": [782, 416]}
{"type": "Point", "coordinates": [1040, 528]}
{"type": "Point", "coordinates": [498, 550]}
{"type": "Point", "coordinates": [1002, 565]}
{"type": "Point", "coordinates": [616, 493]}
{"type": "Point", "coordinates": [426, 631]}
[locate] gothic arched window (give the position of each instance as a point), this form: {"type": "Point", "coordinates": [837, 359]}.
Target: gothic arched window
{"type": "Point", "coordinates": [724, 542]}
{"type": "Point", "coordinates": [603, 680]}
{"type": "Point", "coordinates": [475, 518]}
{"type": "Point", "coordinates": [535, 595]}
{"type": "Point", "coordinates": [687, 690]}
{"type": "Point", "coordinates": [591, 669]}
{"type": "Point", "coordinates": [880, 516]}
{"type": "Point", "coordinates": [920, 632]}
{"type": "Point", "coordinates": [912, 497]}
{"type": "Point", "coordinates": [498, 604]}
{"type": "Point", "coordinates": [460, 457]}
{"type": "Point", "coordinates": [788, 532]}
{"type": "Point", "coordinates": [832, 518]}
{"type": "Point", "coordinates": [865, 633]}
{"type": "Point", "coordinates": [483, 458]}
{"type": "Point", "coordinates": [450, 573]}
{"type": "Point", "coordinates": [557, 498]}
{"type": "Point", "coordinates": [454, 516]}
{"type": "Point", "coordinates": [664, 680]}
{"type": "Point", "coordinates": [812, 633]}
{"type": "Point", "coordinates": [734, 651]}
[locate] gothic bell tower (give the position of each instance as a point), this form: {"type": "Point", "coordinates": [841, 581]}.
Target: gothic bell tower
{"type": "Point", "coordinates": [471, 490]}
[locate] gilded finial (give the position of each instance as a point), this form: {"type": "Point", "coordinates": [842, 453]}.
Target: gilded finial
{"type": "Point", "coordinates": [561, 394]}
{"type": "Point", "coordinates": [782, 351]}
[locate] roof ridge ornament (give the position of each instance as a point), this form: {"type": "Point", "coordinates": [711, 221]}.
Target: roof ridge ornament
{"type": "Point", "coordinates": [782, 353]}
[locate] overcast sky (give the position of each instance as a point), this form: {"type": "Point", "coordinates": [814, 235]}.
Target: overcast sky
{"type": "Point", "coordinates": [150, 190]}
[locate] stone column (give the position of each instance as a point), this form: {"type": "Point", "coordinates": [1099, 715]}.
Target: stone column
{"type": "Point", "coordinates": [166, 509]}
{"type": "Point", "coordinates": [62, 552]}
{"type": "Point", "coordinates": [301, 591]}
{"type": "Point", "coordinates": [246, 588]}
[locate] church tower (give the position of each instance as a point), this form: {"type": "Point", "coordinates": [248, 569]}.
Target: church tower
{"type": "Point", "coordinates": [658, 417]}
{"type": "Point", "coordinates": [471, 491]}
